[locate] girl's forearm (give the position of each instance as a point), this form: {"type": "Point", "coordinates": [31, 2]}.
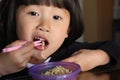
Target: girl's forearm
{"type": "Point", "coordinates": [102, 57]}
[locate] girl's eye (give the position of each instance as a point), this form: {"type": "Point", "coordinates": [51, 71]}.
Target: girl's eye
{"type": "Point", "coordinates": [57, 17]}
{"type": "Point", "coordinates": [32, 13]}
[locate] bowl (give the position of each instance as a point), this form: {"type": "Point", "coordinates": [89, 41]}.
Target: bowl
{"type": "Point", "coordinates": [37, 71]}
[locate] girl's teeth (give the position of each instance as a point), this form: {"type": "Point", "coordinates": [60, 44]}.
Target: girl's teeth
{"type": "Point", "coordinates": [38, 38]}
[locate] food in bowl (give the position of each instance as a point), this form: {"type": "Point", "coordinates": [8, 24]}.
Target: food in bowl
{"type": "Point", "coordinates": [57, 70]}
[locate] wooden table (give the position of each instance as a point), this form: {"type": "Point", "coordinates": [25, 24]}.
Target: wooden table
{"type": "Point", "coordinates": [111, 75]}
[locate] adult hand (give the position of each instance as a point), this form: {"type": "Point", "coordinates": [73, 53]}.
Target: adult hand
{"type": "Point", "coordinates": [89, 59]}
{"type": "Point", "coordinates": [16, 60]}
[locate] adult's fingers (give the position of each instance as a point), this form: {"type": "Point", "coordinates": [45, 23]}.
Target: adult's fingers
{"type": "Point", "coordinates": [26, 48]}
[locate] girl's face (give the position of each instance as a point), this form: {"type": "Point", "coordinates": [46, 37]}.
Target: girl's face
{"type": "Point", "coordinates": [36, 22]}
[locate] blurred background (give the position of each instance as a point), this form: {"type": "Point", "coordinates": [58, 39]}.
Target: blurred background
{"type": "Point", "coordinates": [101, 20]}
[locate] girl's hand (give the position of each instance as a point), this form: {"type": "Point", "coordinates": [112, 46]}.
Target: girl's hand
{"type": "Point", "coordinates": [89, 59]}
{"type": "Point", "coordinates": [16, 60]}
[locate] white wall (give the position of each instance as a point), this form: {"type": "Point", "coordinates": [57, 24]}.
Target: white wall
{"type": "Point", "coordinates": [116, 9]}
{"type": "Point", "coordinates": [81, 5]}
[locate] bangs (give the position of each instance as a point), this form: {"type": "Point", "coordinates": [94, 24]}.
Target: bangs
{"type": "Point", "coordinates": [56, 3]}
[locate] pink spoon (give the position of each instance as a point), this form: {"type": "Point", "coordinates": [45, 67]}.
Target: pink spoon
{"type": "Point", "coordinates": [36, 43]}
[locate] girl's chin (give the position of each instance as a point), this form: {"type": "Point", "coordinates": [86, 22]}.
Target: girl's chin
{"type": "Point", "coordinates": [36, 61]}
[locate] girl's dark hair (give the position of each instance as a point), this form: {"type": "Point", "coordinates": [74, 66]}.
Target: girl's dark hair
{"type": "Point", "coordinates": [8, 10]}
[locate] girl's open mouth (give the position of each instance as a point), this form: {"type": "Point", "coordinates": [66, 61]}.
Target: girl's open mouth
{"type": "Point", "coordinates": [42, 44]}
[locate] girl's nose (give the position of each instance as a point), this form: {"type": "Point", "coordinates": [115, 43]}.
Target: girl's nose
{"type": "Point", "coordinates": [44, 28]}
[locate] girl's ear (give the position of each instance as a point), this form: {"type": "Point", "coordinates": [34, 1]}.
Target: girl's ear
{"type": "Point", "coordinates": [66, 35]}
{"type": "Point", "coordinates": [67, 32]}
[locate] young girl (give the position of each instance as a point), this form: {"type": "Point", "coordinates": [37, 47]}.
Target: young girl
{"type": "Point", "coordinates": [56, 24]}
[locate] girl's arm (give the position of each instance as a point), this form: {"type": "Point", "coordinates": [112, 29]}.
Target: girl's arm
{"type": "Point", "coordinates": [89, 59]}
{"type": "Point", "coordinates": [107, 48]}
